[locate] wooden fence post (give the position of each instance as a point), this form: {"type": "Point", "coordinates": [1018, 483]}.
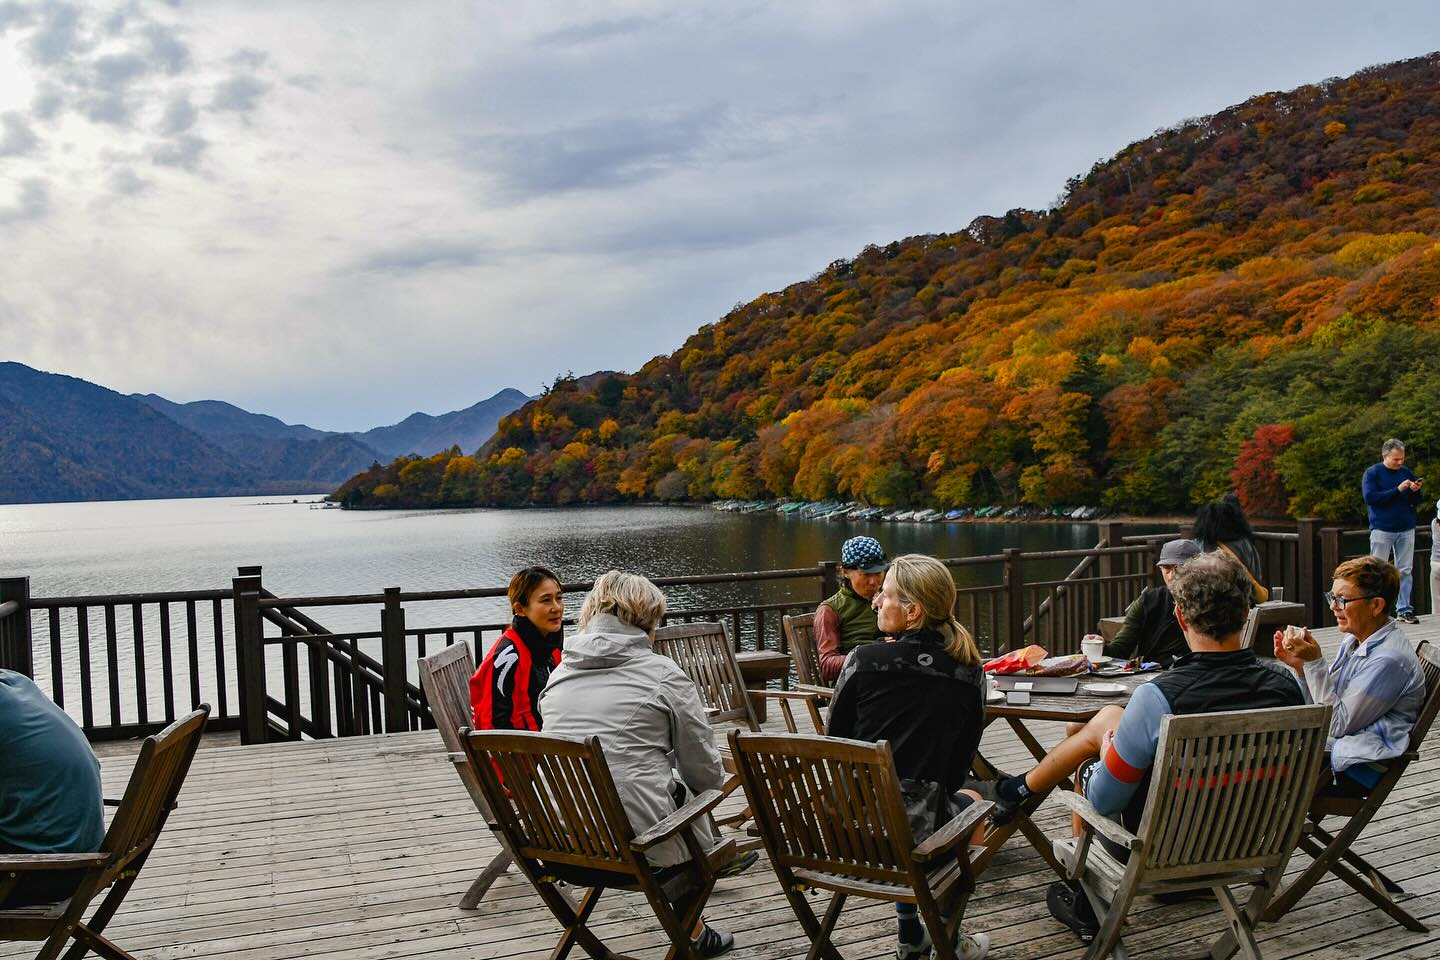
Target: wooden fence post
{"type": "Point", "coordinates": [1307, 568]}
{"type": "Point", "coordinates": [1014, 599]}
{"type": "Point", "coordinates": [1112, 533]}
{"type": "Point", "coordinates": [829, 579]}
{"type": "Point", "coordinates": [250, 656]}
{"type": "Point", "coordinates": [16, 652]}
{"type": "Point", "coordinates": [392, 662]}
{"type": "Point", "coordinates": [1330, 554]}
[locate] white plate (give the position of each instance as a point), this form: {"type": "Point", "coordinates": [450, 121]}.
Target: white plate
{"type": "Point", "coordinates": [1105, 689]}
{"type": "Point", "coordinates": [995, 696]}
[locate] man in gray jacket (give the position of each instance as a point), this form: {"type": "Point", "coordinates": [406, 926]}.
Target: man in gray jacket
{"type": "Point", "coordinates": [660, 748]}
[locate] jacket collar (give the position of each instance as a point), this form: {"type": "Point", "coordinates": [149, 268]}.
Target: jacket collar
{"type": "Point", "coordinates": [1218, 658]}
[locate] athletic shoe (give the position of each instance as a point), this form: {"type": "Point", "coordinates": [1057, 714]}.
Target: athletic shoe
{"type": "Point", "coordinates": [972, 946]}
{"type": "Point", "coordinates": [1069, 905]}
{"type": "Point", "coordinates": [1408, 617]}
{"type": "Point", "coordinates": [740, 864]}
{"type": "Point", "coordinates": [712, 942]}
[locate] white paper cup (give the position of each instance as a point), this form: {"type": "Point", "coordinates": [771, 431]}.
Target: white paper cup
{"type": "Point", "coordinates": [1094, 650]}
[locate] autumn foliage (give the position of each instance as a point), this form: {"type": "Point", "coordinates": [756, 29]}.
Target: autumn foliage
{"type": "Point", "coordinates": [1246, 299]}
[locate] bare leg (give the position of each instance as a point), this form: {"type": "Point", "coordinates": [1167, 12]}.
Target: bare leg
{"type": "Point", "coordinates": [1074, 750]}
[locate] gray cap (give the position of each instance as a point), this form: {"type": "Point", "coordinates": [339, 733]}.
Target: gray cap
{"type": "Point", "coordinates": [1176, 552]}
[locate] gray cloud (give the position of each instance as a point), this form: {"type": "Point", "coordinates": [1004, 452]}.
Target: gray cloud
{"type": "Point", "coordinates": [49, 100]}
{"type": "Point", "coordinates": [116, 71]}
{"type": "Point", "coordinates": [109, 107]}
{"type": "Point", "coordinates": [179, 116]}
{"type": "Point", "coordinates": [14, 14]}
{"type": "Point", "coordinates": [126, 182]}
{"type": "Point", "coordinates": [240, 93]}
{"type": "Point", "coordinates": [16, 137]}
{"type": "Point", "coordinates": [32, 201]}
{"type": "Point", "coordinates": [165, 48]}
{"type": "Point", "coordinates": [595, 31]}
{"type": "Point", "coordinates": [609, 151]}
{"type": "Point", "coordinates": [185, 152]}
{"type": "Point", "coordinates": [420, 256]}
{"type": "Point", "coordinates": [58, 34]}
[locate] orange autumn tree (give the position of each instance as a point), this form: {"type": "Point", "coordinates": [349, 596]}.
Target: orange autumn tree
{"type": "Point", "coordinates": [1125, 346]}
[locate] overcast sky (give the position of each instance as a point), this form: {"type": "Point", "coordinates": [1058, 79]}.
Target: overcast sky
{"type": "Point", "coordinates": [340, 213]}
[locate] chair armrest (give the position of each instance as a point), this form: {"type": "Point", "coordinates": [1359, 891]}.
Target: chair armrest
{"type": "Point", "coordinates": [1102, 824]}
{"type": "Point", "coordinates": [26, 862]}
{"type": "Point", "coordinates": [824, 693]}
{"type": "Point", "coordinates": [797, 694]}
{"type": "Point", "coordinates": [677, 821]}
{"type": "Point", "coordinates": [954, 832]}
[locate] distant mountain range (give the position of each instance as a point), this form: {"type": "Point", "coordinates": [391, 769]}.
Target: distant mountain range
{"type": "Point", "coordinates": [63, 438]}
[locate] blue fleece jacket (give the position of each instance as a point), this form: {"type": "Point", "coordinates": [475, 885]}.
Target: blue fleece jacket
{"type": "Point", "coordinates": [1390, 510]}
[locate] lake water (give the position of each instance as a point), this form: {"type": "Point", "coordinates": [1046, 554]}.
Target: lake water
{"type": "Point", "coordinates": [161, 545]}
{"type": "Point", "coordinates": [148, 545]}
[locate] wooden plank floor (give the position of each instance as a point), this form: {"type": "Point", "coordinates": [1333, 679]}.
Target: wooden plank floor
{"type": "Point", "coordinates": [359, 849]}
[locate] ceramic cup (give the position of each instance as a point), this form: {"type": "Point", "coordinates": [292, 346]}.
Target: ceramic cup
{"type": "Point", "coordinates": [1093, 648]}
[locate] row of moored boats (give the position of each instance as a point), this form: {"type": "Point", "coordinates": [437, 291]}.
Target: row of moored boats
{"type": "Point", "coordinates": [853, 510]}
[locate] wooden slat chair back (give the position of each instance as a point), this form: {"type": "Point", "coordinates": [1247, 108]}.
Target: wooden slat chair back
{"type": "Point", "coordinates": [832, 816]}
{"type": "Point", "coordinates": [1330, 851]}
{"type": "Point", "coordinates": [1227, 800]}
{"type": "Point", "coordinates": [705, 653]}
{"type": "Point", "coordinates": [556, 804]}
{"type": "Point", "coordinates": [140, 817]}
{"type": "Point", "coordinates": [445, 679]}
{"type": "Point", "coordinates": [800, 637]}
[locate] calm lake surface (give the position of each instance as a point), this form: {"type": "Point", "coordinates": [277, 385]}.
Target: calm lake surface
{"type": "Point", "coordinates": [86, 549]}
{"type": "Point", "coordinates": [131, 546]}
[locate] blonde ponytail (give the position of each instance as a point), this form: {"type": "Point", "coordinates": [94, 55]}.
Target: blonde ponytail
{"type": "Point", "coordinates": [925, 582]}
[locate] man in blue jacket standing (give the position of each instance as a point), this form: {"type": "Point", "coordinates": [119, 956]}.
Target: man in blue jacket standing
{"type": "Point", "coordinates": [1391, 491]}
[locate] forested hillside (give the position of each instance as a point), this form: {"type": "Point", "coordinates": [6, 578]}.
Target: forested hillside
{"type": "Point", "coordinates": [1245, 300]}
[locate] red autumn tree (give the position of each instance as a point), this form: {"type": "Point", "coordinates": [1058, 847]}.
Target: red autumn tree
{"type": "Point", "coordinates": [1262, 493]}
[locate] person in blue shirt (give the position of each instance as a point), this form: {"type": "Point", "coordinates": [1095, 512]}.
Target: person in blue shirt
{"type": "Point", "coordinates": [50, 798]}
{"type": "Point", "coordinates": [1376, 684]}
{"type": "Point", "coordinates": [1115, 751]}
{"type": "Point", "coordinates": [1391, 491]}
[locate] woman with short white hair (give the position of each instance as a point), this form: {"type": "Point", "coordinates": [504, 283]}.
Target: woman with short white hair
{"type": "Point", "coordinates": [660, 748]}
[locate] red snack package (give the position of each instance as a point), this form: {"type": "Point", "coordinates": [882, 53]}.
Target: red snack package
{"type": "Point", "coordinates": [1016, 661]}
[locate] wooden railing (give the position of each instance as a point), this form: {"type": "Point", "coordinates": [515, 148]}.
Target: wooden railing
{"type": "Point", "coordinates": [126, 664]}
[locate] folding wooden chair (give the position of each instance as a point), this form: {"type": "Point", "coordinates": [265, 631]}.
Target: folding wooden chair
{"type": "Point", "coordinates": [1227, 799]}
{"type": "Point", "coordinates": [560, 813]}
{"type": "Point", "coordinates": [445, 678]}
{"type": "Point", "coordinates": [704, 652]}
{"type": "Point", "coordinates": [1328, 849]}
{"type": "Point", "coordinates": [832, 817]}
{"type": "Point", "coordinates": [800, 638]}
{"type": "Point", "coordinates": [139, 817]}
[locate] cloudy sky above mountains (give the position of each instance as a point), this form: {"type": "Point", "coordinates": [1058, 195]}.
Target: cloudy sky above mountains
{"type": "Point", "coordinates": [342, 212]}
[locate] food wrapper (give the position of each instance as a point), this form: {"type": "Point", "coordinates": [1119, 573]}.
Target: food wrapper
{"type": "Point", "coordinates": [1016, 661]}
{"type": "Point", "coordinates": [1061, 666]}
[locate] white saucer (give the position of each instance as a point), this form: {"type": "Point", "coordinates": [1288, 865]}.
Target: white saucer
{"type": "Point", "coordinates": [995, 696]}
{"type": "Point", "coordinates": [1105, 689]}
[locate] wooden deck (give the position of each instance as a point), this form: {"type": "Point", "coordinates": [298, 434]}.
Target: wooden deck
{"type": "Point", "coordinates": [358, 849]}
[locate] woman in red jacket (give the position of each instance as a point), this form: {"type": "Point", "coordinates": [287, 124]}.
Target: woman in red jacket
{"type": "Point", "coordinates": [505, 689]}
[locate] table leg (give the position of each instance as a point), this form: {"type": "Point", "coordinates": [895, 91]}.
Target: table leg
{"type": "Point", "coordinates": [997, 836]}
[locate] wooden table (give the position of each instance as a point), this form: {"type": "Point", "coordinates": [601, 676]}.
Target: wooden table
{"type": "Point", "coordinates": [1077, 707]}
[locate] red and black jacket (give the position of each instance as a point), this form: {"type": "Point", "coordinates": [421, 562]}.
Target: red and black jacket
{"type": "Point", "coordinates": [505, 688]}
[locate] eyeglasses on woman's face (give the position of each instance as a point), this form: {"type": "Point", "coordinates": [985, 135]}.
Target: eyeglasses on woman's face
{"type": "Point", "coordinates": [1336, 602]}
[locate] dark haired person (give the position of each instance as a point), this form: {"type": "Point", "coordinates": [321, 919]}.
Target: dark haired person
{"type": "Point", "coordinates": [846, 620]}
{"type": "Point", "coordinates": [922, 692]}
{"type": "Point", "coordinates": [1391, 491]}
{"type": "Point", "coordinates": [50, 799]}
{"type": "Point", "coordinates": [1376, 683]}
{"type": "Point", "coordinates": [1115, 751]}
{"type": "Point", "coordinates": [505, 689]}
{"type": "Point", "coordinates": [1151, 632]}
{"type": "Point", "coordinates": [1221, 525]}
